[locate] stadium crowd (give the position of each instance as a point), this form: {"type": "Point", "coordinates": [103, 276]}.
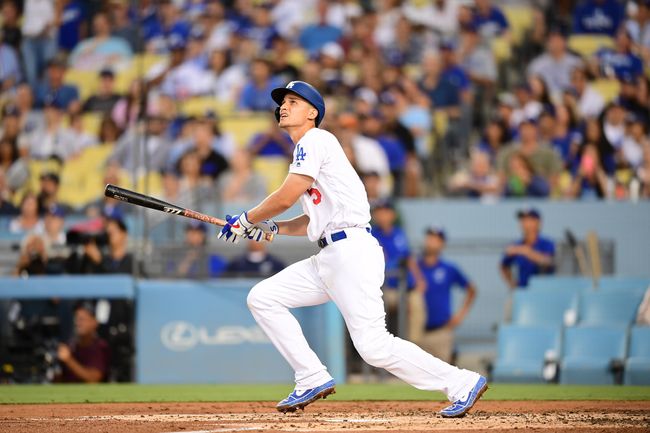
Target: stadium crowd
{"type": "Point", "coordinates": [472, 98]}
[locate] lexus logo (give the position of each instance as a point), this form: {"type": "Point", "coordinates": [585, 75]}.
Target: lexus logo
{"type": "Point", "coordinates": [181, 336]}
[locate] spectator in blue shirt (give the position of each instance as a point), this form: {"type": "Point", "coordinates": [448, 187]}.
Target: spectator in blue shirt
{"type": "Point", "coordinates": [194, 260]}
{"type": "Point", "coordinates": [256, 94]}
{"type": "Point", "coordinates": [532, 255]}
{"type": "Point", "coordinates": [397, 256]}
{"type": "Point", "coordinates": [441, 276]}
{"type": "Point", "coordinates": [489, 20]}
{"type": "Point", "coordinates": [52, 84]}
{"type": "Point", "coordinates": [272, 142]}
{"type": "Point", "coordinates": [598, 17]}
{"type": "Point", "coordinates": [72, 27]}
{"type": "Point", "coordinates": [444, 94]}
{"type": "Point", "coordinates": [168, 24]}
{"type": "Point", "coordinates": [10, 73]}
{"type": "Point", "coordinates": [314, 36]}
{"type": "Point", "coordinates": [256, 262]}
{"type": "Point", "coordinates": [620, 61]}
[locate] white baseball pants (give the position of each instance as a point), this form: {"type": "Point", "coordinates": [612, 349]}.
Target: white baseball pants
{"type": "Point", "coordinates": [350, 273]}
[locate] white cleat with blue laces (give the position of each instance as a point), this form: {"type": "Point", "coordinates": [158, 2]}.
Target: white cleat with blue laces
{"type": "Point", "coordinates": [300, 399]}
{"type": "Point", "coordinates": [460, 407]}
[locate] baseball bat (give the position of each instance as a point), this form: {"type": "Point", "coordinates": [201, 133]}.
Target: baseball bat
{"type": "Point", "coordinates": [594, 255]}
{"type": "Point", "coordinates": [149, 202]}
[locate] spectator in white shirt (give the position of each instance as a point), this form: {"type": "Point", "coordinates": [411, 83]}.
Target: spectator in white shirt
{"type": "Point", "coordinates": [39, 30]}
{"type": "Point", "coordinates": [590, 102]}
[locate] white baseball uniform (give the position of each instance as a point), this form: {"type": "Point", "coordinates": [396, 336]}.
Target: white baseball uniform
{"type": "Point", "coordinates": [349, 272]}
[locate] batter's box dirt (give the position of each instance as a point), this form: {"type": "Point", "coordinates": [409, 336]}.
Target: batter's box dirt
{"type": "Point", "coordinates": [326, 416]}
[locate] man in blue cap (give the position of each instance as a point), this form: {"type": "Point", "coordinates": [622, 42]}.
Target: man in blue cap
{"type": "Point", "coordinates": [348, 270]}
{"type": "Point", "coordinates": [532, 255]}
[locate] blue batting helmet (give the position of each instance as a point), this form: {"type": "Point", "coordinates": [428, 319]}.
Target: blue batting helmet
{"type": "Point", "coordinates": [305, 91]}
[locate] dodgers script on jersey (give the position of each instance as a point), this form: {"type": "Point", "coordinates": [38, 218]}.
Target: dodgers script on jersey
{"type": "Point", "coordinates": [337, 199]}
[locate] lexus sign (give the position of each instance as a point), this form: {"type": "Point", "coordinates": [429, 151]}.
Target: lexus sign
{"type": "Point", "coordinates": [181, 336]}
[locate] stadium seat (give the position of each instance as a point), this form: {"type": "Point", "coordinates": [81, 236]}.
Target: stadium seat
{"type": "Point", "coordinates": [201, 105]}
{"type": "Point", "coordinates": [86, 81]}
{"type": "Point", "coordinates": [558, 282]}
{"type": "Point", "coordinates": [37, 168]}
{"type": "Point", "coordinates": [542, 308]}
{"type": "Point", "coordinates": [521, 351]}
{"type": "Point", "coordinates": [273, 169]}
{"type": "Point", "coordinates": [244, 127]}
{"type": "Point", "coordinates": [501, 49]}
{"type": "Point", "coordinates": [608, 308]}
{"type": "Point", "coordinates": [82, 177]}
{"type": "Point", "coordinates": [520, 19]}
{"type": "Point", "coordinates": [609, 89]}
{"type": "Point", "coordinates": [637, 365]}
{"type": "Point", "coordinates": [297, 57]}
{"type": "Point", "coordinates": [588, 354]}
{"type": "Point", "coordinates": [587, 45]}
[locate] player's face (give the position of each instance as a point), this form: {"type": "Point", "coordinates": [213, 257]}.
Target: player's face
{"type": "Point", "coordinates": [85, 323]}
{"type": "Point", "coordinates": [530, 225]}
{"type": "Point", "coordinates": [433, 244]}
{"type": "Point", "coordinates": [295, 111]}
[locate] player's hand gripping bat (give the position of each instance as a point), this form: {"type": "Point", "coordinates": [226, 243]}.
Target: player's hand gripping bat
{"type": "Point", "coordinates": [149, 202]}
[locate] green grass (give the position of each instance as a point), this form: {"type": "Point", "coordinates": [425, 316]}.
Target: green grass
{"type": "Point", "coordinates": [21, 394]}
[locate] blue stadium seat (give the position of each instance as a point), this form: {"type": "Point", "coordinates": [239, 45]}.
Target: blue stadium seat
{"type": "Point", "coordinates": [542, 307]}
{"type": "Point", "coordinates": [608, 308]}
{"type": "Point", "coordinates": [521, 352]}
{"type": "Point", "coordinates": [637, 366]}
{"type": "Point", "coordinates": [588, 354]}
{"type": "Point", "coordinates": [635, 284]}
{"type": "Point", "coordinates": [559, 282]}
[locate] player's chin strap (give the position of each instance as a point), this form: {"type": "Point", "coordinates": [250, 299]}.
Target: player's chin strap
{"type": "Point", "coordinates": [277, 113]}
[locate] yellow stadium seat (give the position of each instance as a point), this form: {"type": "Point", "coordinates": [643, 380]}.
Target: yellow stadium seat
{"type": "Point", "coordinates": [440, 122]}
{"type": "Point", "coordinates": [86, 81]}
{"type": "Point", "coordinates": [608, 88]}
{"type": "Point", "coordinates": [587, 45]}
{"type": "Point", "coordinates": [37, 168]}
{"type": "Point", "coordinates": [199, 106]}
{"type": "Point", "coordinates": [91, 122]}
{"type": "Point", "coordinates": [297, 57]}
{"type": "Point", "coordinates": [502, 49]}
{"type": "Point", "coordinates": [138, 67]}
{"type": "Point", "coordinates": [82, 177]}
{"type": "Point", "coordinates": [272, 169]}
{"type": "Point", "coordinates": [151, 182]}
{"type": "Point", "coordinates": [244, 127]}
{"type": "Point", "coordinates": [520, 19]}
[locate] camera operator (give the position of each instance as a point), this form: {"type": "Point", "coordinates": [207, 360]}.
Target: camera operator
{"type": "Point", "coordinates": [87, 357]}
{"type": "Point", "coordinates": [114, 259]}
{"type": "Point", "coordinates": [33, 257]}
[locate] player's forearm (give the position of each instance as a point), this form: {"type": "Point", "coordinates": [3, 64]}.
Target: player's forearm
{"type": "Point", "coordinates": [540, 259]}
{"type": "Point", "coordinates": [294, 227]}
{"type": "Point", "coordinates": [88, 375]}
{"type": "Point", "coordinates": [270, 207]}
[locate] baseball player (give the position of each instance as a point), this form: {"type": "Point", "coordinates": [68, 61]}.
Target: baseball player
{"type": "Point", "coordinates": [348, 270]}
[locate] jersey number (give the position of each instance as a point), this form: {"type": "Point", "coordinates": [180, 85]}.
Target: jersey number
{"type": "Point", "coordinates": [315, 193]}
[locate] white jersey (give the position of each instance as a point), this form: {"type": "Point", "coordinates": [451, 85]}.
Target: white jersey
{"type": "Point", "coordinates": [337, 199]}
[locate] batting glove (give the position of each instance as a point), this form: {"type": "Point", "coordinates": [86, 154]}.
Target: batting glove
{"type": "Point", "coordinates": [242, 225]}
{"type": "Point", "coordinates": [260, 230]}
{"type": "Point", "coordinates": [227, 234]}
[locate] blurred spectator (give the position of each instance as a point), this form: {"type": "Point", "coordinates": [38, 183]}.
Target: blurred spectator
{"type": "Point", "coordinates": [565, 137]}
{"type": "Point", "coordinates": [636, 138]}
{"type": "Point", "coordinates": [128, 109]}
{"type": "Point", "coordinates": [598, 17]}
{"type": "Point", "coordinates": [272, 142]}
{"type": "Point", "coordinates": [441, 16]}
{"type": "Point", "coordinates": [109, 132]}
{"type": "Point", "coordinates": [528, 108]}
{"type": "Point", "coordinates": [211, 145]}
{"type": "Point", "coordinates": [102, 50]}
{"type": "Point", "coordinates": [556, 64]}
{"type": "Point", "coordinates": [105, 99]}
{"type": "Point", "coordinates": [10, 73]}
{"type": "Point", "coordinates": [194, 260]}
{"type": "Point", "coordinates": [414, 113]}
{"type": "Point", "coordinates": [314, 36]}
{"type": "Point", "coordinates": [115, 258]}
{"type": "Point", "coordinates": [226, 79]}
{"type": "Point", "coordinates": [33, 259]}
{"type": "Point", "coordinates": [49, 191]}
{"type": "Point", "coordinates": [196, 188]}
{"type": "Point", "coordinates": [262, 29]}
{"type": "Point", "coordinates": [256, 262]}
{"type": "Point", "coordinates": [53, 85]}
{"type": "Point", "coordinates": [522, 181]}
{"type": "Point", "coordinates": [123, 26]}
{"type": "Point", "coordinates": [638, 27]}
{"type": "Point", "coordinates": [495, 136]}
{"type": "Point", "coordinates": [71, 17]}
{"type": "Point", "coordinates": [8, 153]}
{"type": "Point", "coordinates": [643, 173]}
{"type": "Point", "coordinates": [620, 61]}
{"type": "Point", "coordinates": [533, 159]}
{"type": "Point", "coordinates": [478, 180]}
{"type": "Point", "coordinates": [217, 27]}
{"type": "Point", "coordinates": [441, 276]}
{"type": "Point", "coordinates": [7, 208]}
{"type": "Point", "coordinates": [87, 357]}
{"type": "Point", "coordinates": [256, 93]}
{"type": "Point", "coordinates": [81, 137]}
{"type": "Point", "coordinates": [490, 20]}
{"type": "Point", "coordinates": [589, 177]}
{"type": "Point", "coordinates": [406, 47]}
{"type": "Point", "coordinates": [398, 258]}
{"type": "Point", "coordinates": [30, 119]}
{"type": "Point", "coordinates": [330, 58]}
{"type": "Point", "coordinates": [186, 77]}
{"type": "Point", "coordinates": [372, 183]}
{"type": "Point", "coordinates": [28, 219]}
{"type": "Point", "coordinates": [53, 234]}
{"type": "Point", "coordinates": [166, 24]}
{"type": "Point", "coordinates": [633, 97]}
{"type": "Point", "coordinates": [151, 149]}
{"type": "Point", "coordinates": [11, 32]}
{"type": "Point", "coordinates": [38, 37]}
{"type": "Point", "coordinates": [106, 206]}
{"type": "Point", "coordinates": [613, 130]}
{"type": "Point", "coordinates": [389, 13]}
{"type": "Point", "coordinates": [53, 139]}
{"type": "Point", "coordinates": [444, 90]}
{"type": "Point", "coordinates": [283, 69]}
{"type": "Point", "coordinates": [532, 255]}
{"type": "Point", "coordinates": [241, 184]}
{"type": "Point", "coordinates": [590, 102]}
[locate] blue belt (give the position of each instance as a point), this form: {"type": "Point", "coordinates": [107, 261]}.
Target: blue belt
{"type": "Point", "coordinates": [337, 236]}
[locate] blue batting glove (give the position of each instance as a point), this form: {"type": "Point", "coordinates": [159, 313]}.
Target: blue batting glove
{"type": "Point", "coordinates": [242, 225]}
{"type": "Point", "coordinates": [226, 232]}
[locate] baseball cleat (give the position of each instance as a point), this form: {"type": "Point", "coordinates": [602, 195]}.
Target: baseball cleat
{"type": "Point", "coordinates": [300, 399]}
{"type": "Point", "coordinates": [460, 407]}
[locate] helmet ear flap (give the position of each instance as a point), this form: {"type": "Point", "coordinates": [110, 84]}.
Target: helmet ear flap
{"type": "Point", "coordinates": [277, 113]}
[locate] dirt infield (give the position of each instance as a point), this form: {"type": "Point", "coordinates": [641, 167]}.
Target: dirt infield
{"type": "Point", "coordinates": [488, 416]}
